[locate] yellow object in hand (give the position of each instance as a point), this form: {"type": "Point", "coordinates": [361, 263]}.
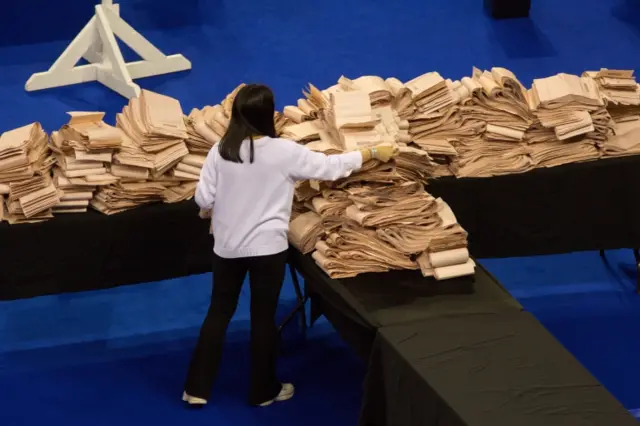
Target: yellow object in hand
{"type": "Point", "coordinates": [384, 152]}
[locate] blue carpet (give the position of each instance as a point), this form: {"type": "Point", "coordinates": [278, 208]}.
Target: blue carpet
{"type": "Point", "coordinates": [118, 357]}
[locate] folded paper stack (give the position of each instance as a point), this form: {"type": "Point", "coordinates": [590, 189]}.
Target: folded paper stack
{"type": "Point", "coordinates": [621, 93]}
{"type": "Point", "coordinates": [574, 109]}
{"type": "Point", "coordinates": [84, 149]}
{"type": "Point", "coordinates": [150, 163]}
{"type": "Point", "coordinates": [27, 193]}
{"type": "Point", "coordinates": [377, 219]}
{"type": "Point", "coordinates": [486, 124]}
{"type": "Point", "coordinates": [497, 104]}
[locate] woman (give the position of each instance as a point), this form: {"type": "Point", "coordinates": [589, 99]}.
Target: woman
{"type": "Point", "coordinates": [248, 180]}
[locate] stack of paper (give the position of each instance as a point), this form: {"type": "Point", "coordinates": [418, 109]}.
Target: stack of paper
{"type": "Point", "coordinates": [216, 118]}
{"type": "Point", "coordinates": [25, 184]}
{"type": "Point", "coordinates": [153, 163]}
{"type": "Point", "coordinates": [304, 132]}
{"type": "Point", "coordinates": [24, 152]}
{"type": "Point", "coordinates": [351, 122]}
{"type": "Point", "coordinates": [154, 131]}
{"type": "Point", "coordinates": [430, 92]}
{"type": "Point", "coordinates": [414, 164]}
{"type": "Point", "coordinates": [379, 218]}
{"type": "Point", "coordinates": [481, 158]}
{"type": "Point", "coordinates": [391, 127]}
{"type": "Point", "coordinates": [446, 255]}
{"type": "Point", "coordinates": [88, 134]}
{"type": "Point", "coordinates": [620, 91]}
{"type": "Point", "coordinates": [435, 126]}
{"type": "Point", "coordinates": [31, 200]}
{"type": "Point", "coordinates": [127, 195]}
{"type": "Point", "coordinates": [573, 107]}
{"type": "Point", "coordinates": [84, 150]}
{"type": "Point", "coordinates": [196, 143]}
{"type": "Point", "coordinates": [378, 90]}
{"type": "Point", "coordinates": [189, 167]}
{"type": "Point", "coordinates": [499, 99]}
{"type": "Point", "coordinates": [305, 231]}
{"type": "Point", "coordinates": [497, 104]}
{"type": "Point", "coordinates": [565, 102]}
{"type": "Point", "coordinates": [625, 141]}
{"type": "Point", "coordinates": [378, 227]}
{"type": "Point", "coordinates": [402, 101]}
{"type": "Point", "coordinates": [309, 107]}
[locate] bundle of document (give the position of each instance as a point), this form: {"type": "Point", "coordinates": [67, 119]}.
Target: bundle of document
{"type": "Point", "coordinates": [620, 91]}
{"type": "Point", "coordinates": [375, 221]}
{"type": "Point", "coordinates": [380, 218]}
{"type": "Point", "coordinates": [574, 109]}
{"type": "Point", "coordinates": [83, 149]}
{"type": "Point", "coordinates": [497, 106]}
{"type": "Point", "coordinates": [621, 94]}
{"type": "Point", "coordinates": [23, 153]}
{"type": "Point", "coordinates": [153, 163]}
{"type": "Point", "coordinates": [27, 193]}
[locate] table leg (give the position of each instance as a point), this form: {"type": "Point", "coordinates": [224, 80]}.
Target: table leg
{"type": "Point", "coordinates": [636, 254]}
{"type": "Point", "coordinates": [301, 302]}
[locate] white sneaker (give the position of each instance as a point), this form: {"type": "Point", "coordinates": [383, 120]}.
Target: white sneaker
{"type": "Point", "coordinates": [193, 401]}
{"type": "Point", "coordinates": [285, 394]}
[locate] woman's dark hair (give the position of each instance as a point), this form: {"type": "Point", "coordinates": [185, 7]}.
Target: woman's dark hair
{"type": "Point", "coordinates": [251, 115]}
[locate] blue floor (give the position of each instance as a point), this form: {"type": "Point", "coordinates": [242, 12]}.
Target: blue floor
{"type": "Point", "coordinates": [118, 357]}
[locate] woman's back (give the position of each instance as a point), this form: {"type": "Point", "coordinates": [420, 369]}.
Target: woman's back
{"type": "Point", "coordinates": [253, 200]}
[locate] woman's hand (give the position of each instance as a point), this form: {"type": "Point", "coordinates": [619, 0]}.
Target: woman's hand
{"type": "Point", "coordinates": [384, 152]}
{"type": "Point", "coordinates": [205, 214]}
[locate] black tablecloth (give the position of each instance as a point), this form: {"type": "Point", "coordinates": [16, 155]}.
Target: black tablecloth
{"type": "Point", "coordinates": [487, 370]}
{"type": "Point", "coordinates": [575, 207]}
{"type": "Point", "coordinates": [586, 206]}
{"type": "Point", "coordinates": [88, 251]}
{"type": "Point", "coordinates": [358, 306]}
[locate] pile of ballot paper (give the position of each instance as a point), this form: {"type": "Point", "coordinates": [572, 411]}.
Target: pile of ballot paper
{"type": "Point", "coordinates": [574, 109]}
{"type": "Point", "coordinates": [621, 94]}
{"type": "Point", "coordinates": [380, 218]}
{"type": "Point", "coordinates": [482, 125]}
{"type": "Point", "coordinates": [355, 114]}
{"type": "Point", "coordinates": [376, 221]}
{"type": "Point", "coordinates": [84, 150]}
{"type": "Point", "coordinates": [27, 193]}
{"type": "Point", "coordinates": [620, 91]}
{"type": "Point", "coordinates": [497, 114]}
{"type": "Point", "coordinates": [153, 163]}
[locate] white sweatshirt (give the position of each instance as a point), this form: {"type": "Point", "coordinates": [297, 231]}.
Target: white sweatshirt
{"type": "Point", "coordinates": [252, 202]}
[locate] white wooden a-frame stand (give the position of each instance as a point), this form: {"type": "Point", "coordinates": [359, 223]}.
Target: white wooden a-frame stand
{"type": "Point", "coordinates": [97, 44]}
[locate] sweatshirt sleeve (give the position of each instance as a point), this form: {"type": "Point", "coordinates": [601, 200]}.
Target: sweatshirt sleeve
{"type": "Point", "coordinates": [206, 188]}
{"type": "Point", "coordinates": [306, 164]}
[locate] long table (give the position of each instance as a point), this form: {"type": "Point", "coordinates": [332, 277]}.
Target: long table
{"type": "Point", "coordinates": [91, 251]}
{"type": "Point", "coordinates": [359, 306]}
{"type": "Point", "coordinates": [484, 370]}
{"type": "Point", "coordinates": [584, 206]}
{"type": "Point", "coordinates": [450, 356]}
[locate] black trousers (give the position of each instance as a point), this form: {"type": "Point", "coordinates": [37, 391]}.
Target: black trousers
{"type": "Point", "coordinates": [266, 274]}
